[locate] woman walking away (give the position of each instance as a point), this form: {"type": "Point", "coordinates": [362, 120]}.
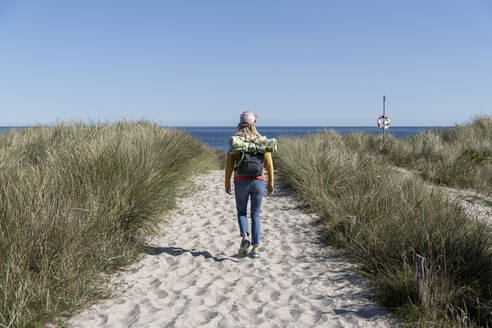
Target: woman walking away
{"type": "Point", "coordinates": [249, 180]}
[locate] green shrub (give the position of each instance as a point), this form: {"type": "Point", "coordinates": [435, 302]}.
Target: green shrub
{"type": "Point", "coordinates": [78, 200]}
{"type": "Point", "coordinates": [476, 156]}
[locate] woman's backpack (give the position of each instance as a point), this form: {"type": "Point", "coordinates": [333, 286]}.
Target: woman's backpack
{"type": "Point", "coordinates": [250, 164]}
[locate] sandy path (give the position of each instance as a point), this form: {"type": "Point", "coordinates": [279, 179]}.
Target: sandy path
{"type": "Point", "coordinates": [191, 277]}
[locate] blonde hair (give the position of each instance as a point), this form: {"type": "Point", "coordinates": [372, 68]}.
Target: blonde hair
{"type": "Point", "coordinates": [247, 130]}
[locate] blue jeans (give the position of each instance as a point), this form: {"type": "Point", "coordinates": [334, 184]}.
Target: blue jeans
{"type": "Point", "coordinates": [242, 190]}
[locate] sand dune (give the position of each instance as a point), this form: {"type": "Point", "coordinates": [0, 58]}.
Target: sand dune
{"type": "Point", "coordinates": [191, 276]}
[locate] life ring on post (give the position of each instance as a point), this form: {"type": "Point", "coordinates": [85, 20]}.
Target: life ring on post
{"type": "Point", "coordinates": [383, 122]}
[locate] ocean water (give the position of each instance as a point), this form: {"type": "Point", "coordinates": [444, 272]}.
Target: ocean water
{"type": "Point", "coordinates": [218, 136]}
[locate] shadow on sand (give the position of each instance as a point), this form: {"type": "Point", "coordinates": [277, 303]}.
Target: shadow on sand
{"type": "Point", "coordinates": [176, 251]}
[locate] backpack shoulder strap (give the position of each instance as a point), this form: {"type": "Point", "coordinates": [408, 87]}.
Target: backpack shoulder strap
{"type": "Point", "coordinates": [238, 162]}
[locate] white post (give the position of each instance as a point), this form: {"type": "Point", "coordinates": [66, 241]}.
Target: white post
{"type": "Point", "coordinates": [384, 114]}
{"type": "Point", "coordinates": [421, 277]}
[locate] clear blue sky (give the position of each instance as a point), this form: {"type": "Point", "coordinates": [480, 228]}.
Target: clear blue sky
{"type": "Point", "coordinates": [202, 62]}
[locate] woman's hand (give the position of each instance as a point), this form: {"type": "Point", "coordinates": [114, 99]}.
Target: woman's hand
{"type": "Point", "coordinates": [270, 190]}
{"type": "Point", "coordinates": [228, 190]}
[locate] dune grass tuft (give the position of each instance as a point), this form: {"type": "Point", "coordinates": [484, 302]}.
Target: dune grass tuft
{"type": "Point", "coordinates": [395, 219]}
{"type": "Point", "coordinates": [78, 200]}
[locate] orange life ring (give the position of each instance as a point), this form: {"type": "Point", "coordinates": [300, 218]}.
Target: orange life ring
{"type": "Point", "coordinates": [383, 122]}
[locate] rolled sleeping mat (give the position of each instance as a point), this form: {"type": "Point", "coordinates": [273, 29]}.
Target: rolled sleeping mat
{"type": "Point", "coordinates": [262, 145]}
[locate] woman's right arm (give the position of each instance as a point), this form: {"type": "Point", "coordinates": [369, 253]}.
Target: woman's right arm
{"type": "Point", "coordinates": [228, 171]}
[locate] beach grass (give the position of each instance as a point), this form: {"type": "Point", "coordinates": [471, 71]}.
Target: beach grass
{"type": "Point", "coordinates": [79, 200]}
{"type": "Point", "coordinates": [382, 219]}
{"type": "Point", "coordinates": [460, 156]}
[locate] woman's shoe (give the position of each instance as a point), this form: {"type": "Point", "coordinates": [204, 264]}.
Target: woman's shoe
{"type": "Point", "coordinates": [255, 253]}
{"type": "Point", "coordinates": [243, 248]}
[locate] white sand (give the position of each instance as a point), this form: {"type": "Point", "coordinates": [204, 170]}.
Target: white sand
{"type": "Point", "coordinates": [191, 276]}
